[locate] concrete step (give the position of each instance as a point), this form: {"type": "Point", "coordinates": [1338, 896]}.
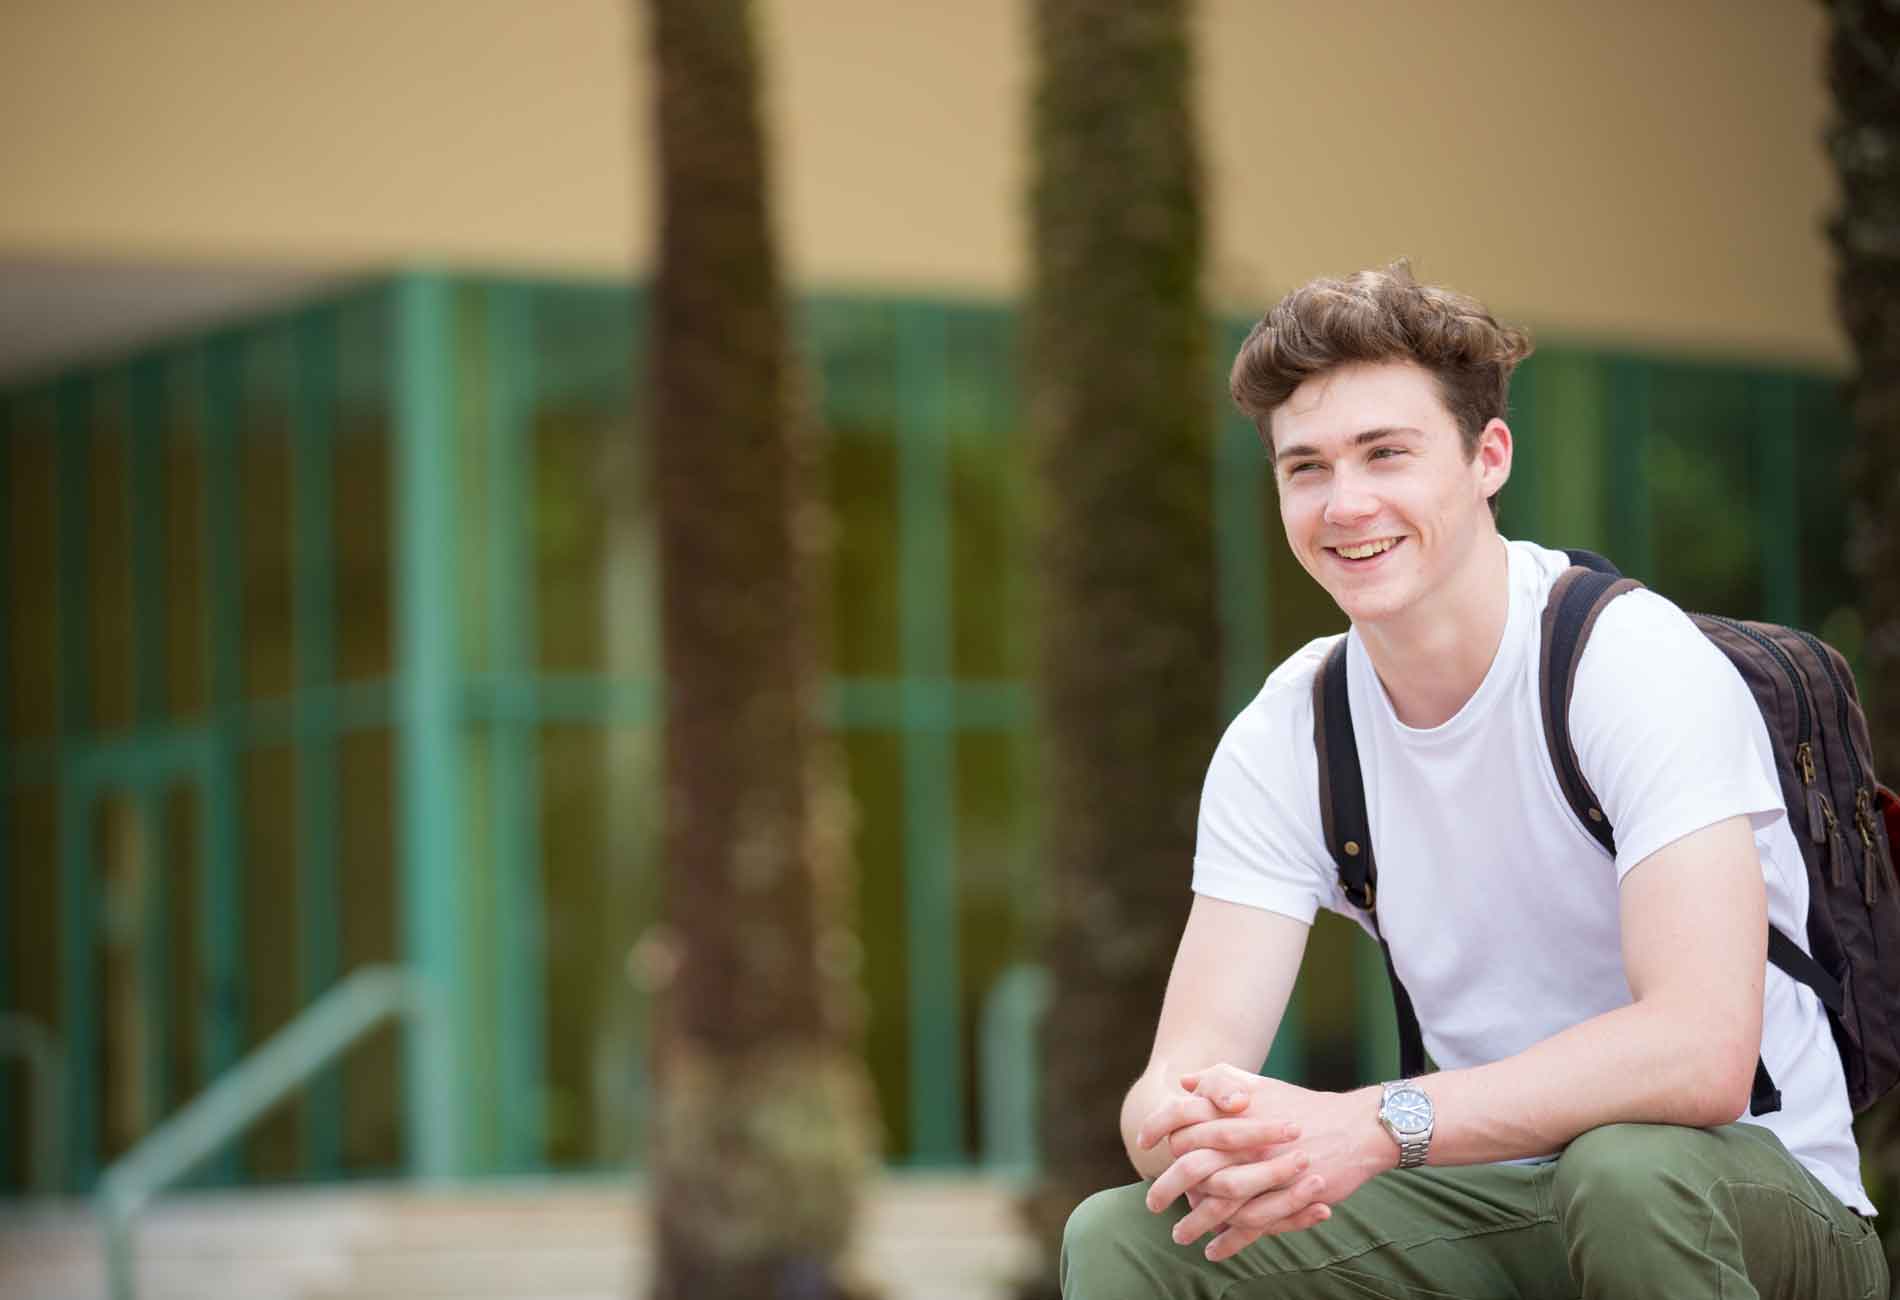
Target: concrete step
{"type": "Point", "coordinates": [924, 1238]}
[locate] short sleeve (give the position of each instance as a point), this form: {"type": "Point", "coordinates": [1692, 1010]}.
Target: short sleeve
{"type": "Point", "coordinates": [1666, 731]}
{"type": "Point", "coordinates": [1257, 842]}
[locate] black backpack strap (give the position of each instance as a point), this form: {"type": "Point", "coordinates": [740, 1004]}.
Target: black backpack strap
{"type": "Point", "coordinates": [1592, 561]}
{"type": "Point", "coordinates": [1797, 965]}
{"type": "Point", "coordinates": [1577, 599]}
{"type": "Point", "coordinates": [1348, 832]}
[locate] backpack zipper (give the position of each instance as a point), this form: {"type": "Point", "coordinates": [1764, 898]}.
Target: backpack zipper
{"type": "Point", "coordinates": [1840, 695]}
{"type": "Point", "coordinates": [1804, 751]}
{"type": "Point", "coordinates": [1863, 797]}
{"type": "Point", "coordinates": [1788, 669]}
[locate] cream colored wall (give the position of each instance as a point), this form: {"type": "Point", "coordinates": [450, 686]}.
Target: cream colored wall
{"type": "Point", "coordinates": [1612, 169]}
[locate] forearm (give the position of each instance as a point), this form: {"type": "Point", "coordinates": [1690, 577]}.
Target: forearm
{"type": "Point", "coordinates": [1642, 1063]}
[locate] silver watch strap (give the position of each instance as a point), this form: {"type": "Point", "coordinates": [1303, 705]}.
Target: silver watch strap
{"type": "Point", "coordinates": [1412, 1150]}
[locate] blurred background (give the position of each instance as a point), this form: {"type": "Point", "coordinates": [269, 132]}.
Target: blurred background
{"type": "Point", "coordinates": [255, 257]}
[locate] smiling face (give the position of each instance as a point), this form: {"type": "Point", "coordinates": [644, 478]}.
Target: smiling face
{"type": "Point", "coordinates": [1380, 501]}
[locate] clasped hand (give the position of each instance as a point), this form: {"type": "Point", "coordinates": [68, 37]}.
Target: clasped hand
{"type": "Point", "coordinates": [1255, 1156]}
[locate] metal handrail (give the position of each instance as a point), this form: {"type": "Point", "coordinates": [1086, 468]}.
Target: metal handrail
{"type": "Point", "coordinates": [1009, 1059]}
{"type": "Point", "coordinates": [45, 1063]}
{"type": "Point", "coordinates": [323, 1031]}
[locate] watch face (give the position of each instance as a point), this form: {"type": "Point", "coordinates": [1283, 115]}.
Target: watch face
{"type": "Point", "coordinates": [1408, 1110]}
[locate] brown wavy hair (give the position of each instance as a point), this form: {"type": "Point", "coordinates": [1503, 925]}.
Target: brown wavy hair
{"type": "Point", "coordinates": [1381, 315]}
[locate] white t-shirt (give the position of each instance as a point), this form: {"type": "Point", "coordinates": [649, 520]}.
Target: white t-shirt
{"type": "Point", "coordinates": [1500, 909]}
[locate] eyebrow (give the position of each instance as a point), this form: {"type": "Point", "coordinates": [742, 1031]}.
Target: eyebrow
{"type": "Point", "coordinates": [1358, 440]}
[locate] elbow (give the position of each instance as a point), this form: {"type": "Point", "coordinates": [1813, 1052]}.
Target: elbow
{"type": "Point", "coordinates": [1722, 1105]}
{"type": "Point", "coordinates": [1709, 1056]}
{"type": "Point", "coordinates": [1720, 1090]}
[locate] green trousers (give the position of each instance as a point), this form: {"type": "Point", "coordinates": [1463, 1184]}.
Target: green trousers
{"type": "Point", "coordinates": [1628, 1212]}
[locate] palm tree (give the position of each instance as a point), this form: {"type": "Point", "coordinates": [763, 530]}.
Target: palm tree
{"type": "Point", "coordinates": [1129, 672]}
{"type": "Point", "coordinates": [1863, 70]}
{"type": "Point", "coordinates": [763, 1128]}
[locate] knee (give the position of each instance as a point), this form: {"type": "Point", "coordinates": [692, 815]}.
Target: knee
{"type": "Point", "coordinates": [1101, 1233]}
{"type": "Point", "coordinates": [1624, 1166]}
{"type": "Point", "coordinates": [1628, 1196]}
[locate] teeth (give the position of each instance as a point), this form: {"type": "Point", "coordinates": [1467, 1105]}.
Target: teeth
{"type": "Point", "coordinates": [1368, 549]}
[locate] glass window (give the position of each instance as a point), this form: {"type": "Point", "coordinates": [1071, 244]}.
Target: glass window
{"type": "Point", "coordinates": [32, 608]}
{"type": "Point", "coordinates": [108, 589]}
{"type": "Point", "coordinates": [1704, 509]}
{"type": "Point", "coordinates": [182, 483]}
{"type": "Point", "coordinates": [273, 1150]}
{"type": "Point", "coordinates": [364, 545]}
{"type": "Point", "coordinates": [265, 513]}
{"type": "Point", "coordinates": [366, 848]}
{"type": "Point", "coordinates": [599, 819]}
{"type": "Point", "coordinates": [31, 917]}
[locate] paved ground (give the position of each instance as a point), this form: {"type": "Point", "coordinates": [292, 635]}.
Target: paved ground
{"type": "Point", "coordinates": [927, 1238]}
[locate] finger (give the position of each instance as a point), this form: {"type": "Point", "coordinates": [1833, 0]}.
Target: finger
{"type": "Point", "coordinates": [1234, 1134]}
{"type": "Point", "coordinates": [1271, 1208]}
{"type": "Point", "coordinates": [1178, 1177]}
{"type": "Point", "coordinates": [1222, 1084]}
{"type": "Point", "coordinates": [1211, 1215]}
{"type": "Point", "coordinates": [1177, 1112]}
{"type": "Point", "coordinates": [1233, 1240]}
{"type": "Point", "coordinates": [1311, 1217]}
{"type": "Point", "coordinates": [1230, 1242]}
{"type": "Point", "coordinates": [1244, 1181]}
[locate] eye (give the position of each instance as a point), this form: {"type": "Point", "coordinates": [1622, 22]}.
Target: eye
{"type": "Point", "coordinates": [1300, 467]}
{"type": "Point", "coordinates": [1386, 453]}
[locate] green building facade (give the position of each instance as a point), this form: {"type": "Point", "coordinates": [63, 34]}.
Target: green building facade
{"type": "Point", "coordinates": [329, 640]}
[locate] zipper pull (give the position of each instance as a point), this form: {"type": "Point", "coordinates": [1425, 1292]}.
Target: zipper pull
{"type": "Point", "coordinates": [1864, 822]}
{"type": "Point", "coordinates": [1835, 851]}
{"type": "Point", "coordinates": [1804, 756]}
{"type": "Point", "coordinates": [1818, 816]}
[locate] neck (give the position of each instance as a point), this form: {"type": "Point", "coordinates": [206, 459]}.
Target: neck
{"type": "Point", "coordinates": [1431, 660]}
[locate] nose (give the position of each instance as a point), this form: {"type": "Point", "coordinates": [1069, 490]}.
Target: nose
{"type": "Point", "coordinates": [1347, 500]}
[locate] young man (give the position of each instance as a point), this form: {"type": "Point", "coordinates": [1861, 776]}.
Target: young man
{"type": "Point", "coordinates": [1596, 1024]}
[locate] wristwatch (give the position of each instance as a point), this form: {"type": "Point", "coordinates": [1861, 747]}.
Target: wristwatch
{"type": "Point", "coordinates": [1406, 1113]}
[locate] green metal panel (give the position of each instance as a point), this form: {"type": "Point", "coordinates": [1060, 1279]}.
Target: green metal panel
{"type": "Point", "coordinates": [318, 768]}
{"type": "Point", "coordinates": [221, 908]}
{"type": "Point", "coordinates": [74, 431]}
{"type": "Point", "coordinates": [7, 1125]}
{"type": "Point", "coordinates": [1631, 546]}
{"type": "Point", "coordinates": [129, 760]}
{"type": "Point", "coordinates": [1520, 513]}
{"type": "Point", "coordinates": [1778, 487]}
{"type": "Point", "coordinates": [338, 708]}
{"type": "Point", "coordinates": [144, 498]}
{"type": "Point", "coordinates": [878, 704]}
{"type": "Point", "coordinates": [1240, 548]}
{"type": "Point", "coordinates": [1569, 456]}
{"type": "Point", "coordinates": [79, 983]}
{"type": "Point", "coordinates": [930, 883]}
{"type": "Point", "coordinates": [79, 1017]}
{"type": "Point", "coordinates": [1378, 1020]}
{"type": "Point", "coordinates": [1241, 484]}
{"type": "Point", "coordinates": [441, 1119]}
{"type": "Point", "coordinates": [515, 792]}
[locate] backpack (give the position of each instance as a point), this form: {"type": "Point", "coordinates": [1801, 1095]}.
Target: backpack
{"type": "Point", "coordinates": [1844, 820]}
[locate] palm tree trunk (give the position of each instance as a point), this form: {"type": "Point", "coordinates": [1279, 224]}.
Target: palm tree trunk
{"type": "Point", "coordinates": [1129, 672]}
{"type": "Point", "coordinates": [763, 1131]}
{"type": "Point", "coordinates": [1863, 70]}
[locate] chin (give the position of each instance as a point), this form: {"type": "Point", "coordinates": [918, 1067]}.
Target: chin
{"type": "Point", "coordinates": [1365, 607]}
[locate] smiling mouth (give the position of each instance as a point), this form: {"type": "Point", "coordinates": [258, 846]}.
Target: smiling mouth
{"type": "Point", "coordinates": [1365, 552]}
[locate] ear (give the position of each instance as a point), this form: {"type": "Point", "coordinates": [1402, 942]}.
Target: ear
{"type": "Point", "coordinates": [1493, 460]}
